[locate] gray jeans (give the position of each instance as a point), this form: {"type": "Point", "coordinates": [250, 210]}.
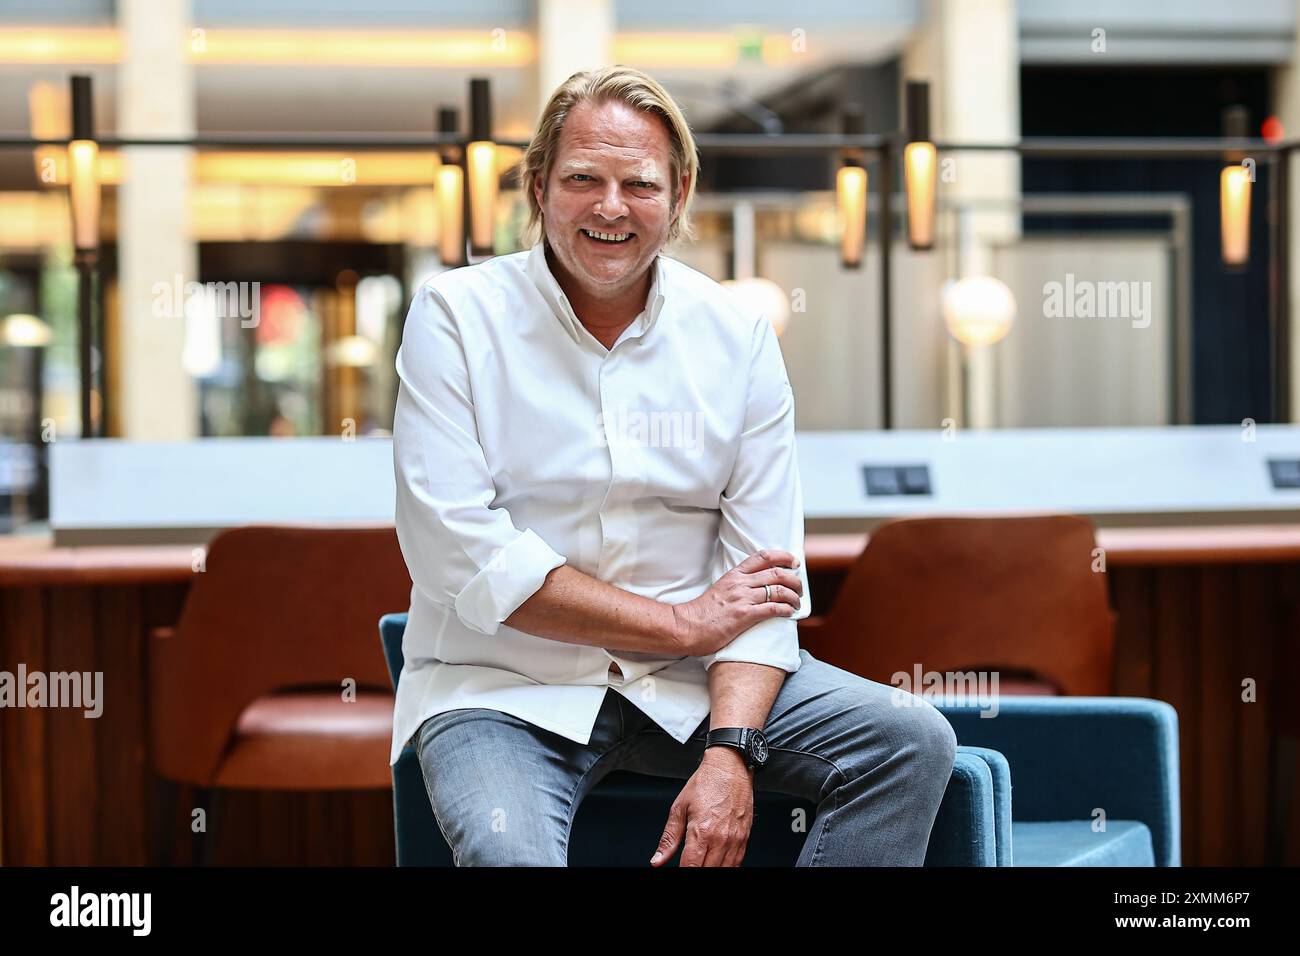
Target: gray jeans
{"type": "Point", "coordinates": [874, 761]}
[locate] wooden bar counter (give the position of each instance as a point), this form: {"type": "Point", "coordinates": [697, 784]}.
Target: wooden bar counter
{"type": "Point", "coordinates": [1200, 610]}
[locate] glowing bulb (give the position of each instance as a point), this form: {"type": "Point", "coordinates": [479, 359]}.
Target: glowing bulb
{"type": "Point", "coordinates": [450, 188]}
{"type": "Point", "coordinates": [920, 169]}
{"type": "Point", "coordinates": [851, 197]}
{"type": "Point", "coordinates": [764, 296]}
{"type": "Point", "coordinates": [978, 310]}
{"type": "Point", "coordinates": [1234, 214]}
{"type": "Point", "coordinates": [83, 186]}
{"type": "Point", "coordinates": [481, 157]}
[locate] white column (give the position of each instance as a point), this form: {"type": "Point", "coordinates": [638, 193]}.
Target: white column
{"type": "Point", "coordinates": [572, 35]}
{"type": "Point", "coordinates": [156, 400]}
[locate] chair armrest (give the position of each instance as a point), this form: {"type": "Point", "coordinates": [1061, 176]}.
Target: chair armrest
{"type": "Point", "coordinates": [1000, 771]}
{"type": "Point", "coordinates": [965, 828]}
{"type": "Point", "coordinates": [1071, 756]}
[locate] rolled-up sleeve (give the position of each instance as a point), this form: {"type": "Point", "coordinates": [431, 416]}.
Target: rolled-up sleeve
{"type": "Point", "coordinates": [762, 505]}
{"type": "Point", "coordinates": [461, 551]}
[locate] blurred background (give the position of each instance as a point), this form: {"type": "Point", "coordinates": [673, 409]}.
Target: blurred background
{"type": "Point", "coordinates": [338, 236]}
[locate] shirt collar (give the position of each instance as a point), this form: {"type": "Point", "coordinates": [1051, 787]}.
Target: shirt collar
{"type": "Point", "coordinates": [540, 273]}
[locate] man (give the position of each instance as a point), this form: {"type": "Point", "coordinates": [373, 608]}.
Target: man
{"type": "Point", "coordinates": [599, 504]}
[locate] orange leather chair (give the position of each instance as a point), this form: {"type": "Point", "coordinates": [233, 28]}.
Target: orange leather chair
{"type": "Point", "coordinates": [248, 690]}
{"type": "Point", "coordinates": [1016, 595]}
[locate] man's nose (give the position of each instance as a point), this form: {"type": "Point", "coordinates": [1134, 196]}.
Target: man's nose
{"type": "Point", "coordinates": [611, 205]}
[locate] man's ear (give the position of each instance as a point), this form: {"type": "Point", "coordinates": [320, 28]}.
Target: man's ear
{"type": "Point", "coordinates": [682, 188]}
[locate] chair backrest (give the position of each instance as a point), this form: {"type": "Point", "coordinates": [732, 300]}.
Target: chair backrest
{"type": "Point", "coordinates": [1013, 594]}
{"type": "Point", "coordinates": [276, 607]}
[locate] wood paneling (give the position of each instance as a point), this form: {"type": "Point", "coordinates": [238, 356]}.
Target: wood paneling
{"type": "Point", "coordinates": [78, 791]}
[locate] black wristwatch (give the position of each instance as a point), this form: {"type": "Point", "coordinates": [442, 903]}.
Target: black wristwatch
{"type": "Point", "coordinates": [748, 740]}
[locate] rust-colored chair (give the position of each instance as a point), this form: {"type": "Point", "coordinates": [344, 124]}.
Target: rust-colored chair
{"type": "Point", "coordinates": [247, 691]}
{"type": "Point", "coordinates": [1016, 595]}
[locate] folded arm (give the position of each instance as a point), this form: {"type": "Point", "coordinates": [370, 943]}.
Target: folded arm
{"type": "Point", "coordinates": [762, 507]}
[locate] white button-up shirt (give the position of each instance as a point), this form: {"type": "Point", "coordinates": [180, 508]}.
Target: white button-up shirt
{"type": "Point", "coordinates": [521, 443]}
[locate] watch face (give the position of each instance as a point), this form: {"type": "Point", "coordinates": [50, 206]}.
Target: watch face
{"type": "Point", "coordinates": [758, 748]}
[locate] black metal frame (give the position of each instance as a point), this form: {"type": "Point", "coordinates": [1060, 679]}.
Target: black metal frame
{"type": "Point", "coordinates": [886, 149]}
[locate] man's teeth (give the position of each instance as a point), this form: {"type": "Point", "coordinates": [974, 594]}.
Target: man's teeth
{"type": "Point", "coordinates": [608, 236]}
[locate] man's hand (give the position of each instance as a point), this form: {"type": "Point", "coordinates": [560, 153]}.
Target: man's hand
{"type": "Point", "coordinates": [714, 811]}
{"type": "Point", "coordinates": [736, 602]}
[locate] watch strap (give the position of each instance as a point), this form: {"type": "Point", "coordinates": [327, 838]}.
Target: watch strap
{"type": "Point", "coordinates": [727, 736]}
{"type": "Point", "coordinates": [737, 737]}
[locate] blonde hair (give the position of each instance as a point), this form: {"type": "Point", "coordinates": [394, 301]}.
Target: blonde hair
{"type": "Point", "coordinates": [612, 83]}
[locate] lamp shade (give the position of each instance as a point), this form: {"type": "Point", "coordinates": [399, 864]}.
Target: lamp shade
{"type": "Point", "coordinates": [83, 167]}
{"type": "Point", "coordinates": [851, 199]}
{"type": "Point", "coordinates": [920, 166]}
{"type": "Point", "coordinates": [481, 158]}
{"type": "Point", "coordinates": [1234, 214]}
{"type": "Point", "coordinates": [83, 188]}
{"type": "Point", "coordinates": [765, 296]}
{"type": "Point", "coordinates": [920, 173]}
{"type": "Point", "coordinates": [978, 310]}
{"type": "Point", "coordinates": [481, 168]}
{"type": "Point", "coordinates": [449, 186]}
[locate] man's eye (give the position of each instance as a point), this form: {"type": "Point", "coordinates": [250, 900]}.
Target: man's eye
{"type": "Point", "coordinates": [644, 185]}
{"type": "Point", "coordinates": [581, 176]}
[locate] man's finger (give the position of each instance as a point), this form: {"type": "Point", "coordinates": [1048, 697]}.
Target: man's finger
{"type": "Point", "coordinates": [784, 576]}
{"type": "Point", "coordinates": [670, 838]}
{"type": "Point", "coordinates": [715, 852]}
{"type": "Point", "coordinates": [766, 558]}
{"type": "Point", "coordinates": [719, 849]}
{"type": "Point", "coordinates": [694, 851]}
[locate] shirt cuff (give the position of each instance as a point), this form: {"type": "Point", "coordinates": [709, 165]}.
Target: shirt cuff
{"type": "Point", "coordinates": [774, 642]}
{"type": "Point", "coordinates": [514, 574]}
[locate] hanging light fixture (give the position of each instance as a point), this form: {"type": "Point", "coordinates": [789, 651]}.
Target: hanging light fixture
{"type": "Point", "coordinates": [920, 167]}
{"type": "Point", "coordinates": [83, 168]}
{"type": "Point", "coordinates": [851, 192]}
{"type": "Point", "coordinates": [481, 168]}
{"type": "Point", "coordinates": [83, 194]}
{"type": "Point", "coordinates": [1234, 194]}
{"type": "Point", "coordinates": [449, 189]}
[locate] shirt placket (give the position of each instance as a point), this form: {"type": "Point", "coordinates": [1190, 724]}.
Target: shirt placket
{"type": "Point", "coordinates": [613, 416]}
{"type": "Point", "coordinates": [615, 516]}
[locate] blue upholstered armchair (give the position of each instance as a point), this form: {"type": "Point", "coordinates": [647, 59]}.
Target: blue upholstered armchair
{"type": "Point", "coordinates": [1095, 778]}
{"type": "Point", "coordinates": [624, 815]}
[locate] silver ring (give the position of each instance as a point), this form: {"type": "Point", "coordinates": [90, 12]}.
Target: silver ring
{"type": "Point", "coordinates": [767, 593]}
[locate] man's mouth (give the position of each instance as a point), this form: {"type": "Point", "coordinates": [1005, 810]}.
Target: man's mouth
{"type": "Point", "coordinates": [609, 238]}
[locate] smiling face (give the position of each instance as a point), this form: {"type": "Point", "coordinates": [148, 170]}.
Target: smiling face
{"type": "Point", "coordinates": [611, 178]}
